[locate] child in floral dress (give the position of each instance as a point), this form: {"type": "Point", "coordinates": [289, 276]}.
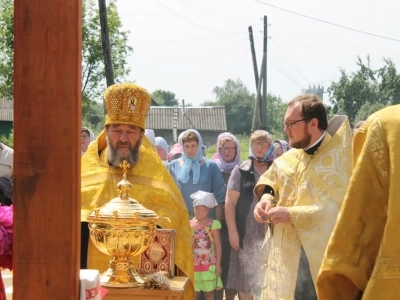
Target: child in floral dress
{"type": "Point", "coordinates": [206, 246]}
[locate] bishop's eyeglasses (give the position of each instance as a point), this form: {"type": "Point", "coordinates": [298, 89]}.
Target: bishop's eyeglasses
{"type": "Point", "coordinates": [290, 124]}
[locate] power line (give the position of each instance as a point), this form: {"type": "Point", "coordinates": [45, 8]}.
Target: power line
{"type": "Point", "coordinates": [280, 51]}
{"type": "Point", "coordinates": [284, 72]}
{"type": "Point", "coordinates": [198, 25]}
{"type": "Point", "coordinates": [208, 14]}
{"type": "Point", "coordinates": [187, 41]}
{"type": "Point", "coordinates": [329, 23]}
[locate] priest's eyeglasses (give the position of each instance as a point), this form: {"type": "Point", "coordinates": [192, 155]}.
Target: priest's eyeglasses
{"type": "Point", "coordinates": [290, 124]}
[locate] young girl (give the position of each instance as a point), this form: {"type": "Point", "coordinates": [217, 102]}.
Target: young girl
{"type": "Point", "coordinates": [206, 246]}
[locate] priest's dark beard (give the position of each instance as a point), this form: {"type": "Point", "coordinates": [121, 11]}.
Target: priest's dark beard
{"type": "Point", "coordinates": [115, 160]}
{"type": "Point", "coordinates": [304, 142]}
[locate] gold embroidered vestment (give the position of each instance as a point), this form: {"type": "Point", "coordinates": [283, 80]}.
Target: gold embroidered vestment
{"type": "Point", "coordinates": [152, 186]}
{"type": "Point", "coordinates": [363, 255]}
{"type": "Point", "coordinates": [313, 188]}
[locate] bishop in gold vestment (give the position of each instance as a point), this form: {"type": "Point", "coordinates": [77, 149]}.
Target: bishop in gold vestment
{"type": "Point", "coordinates": [312, 187]}
{"type": "Point", "coordinates": [152, 185]}
{"type": "Point", "coordinates": [362, 260]}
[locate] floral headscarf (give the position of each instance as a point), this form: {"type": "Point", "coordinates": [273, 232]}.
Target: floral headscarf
{"type": "Point", "coordinates": [223, 165]}
{"type": "Point", "coordinates": [284, 145]}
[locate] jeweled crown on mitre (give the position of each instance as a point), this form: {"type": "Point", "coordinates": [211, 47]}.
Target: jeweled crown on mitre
{"type": "Point", "coordinates": [126, 103]}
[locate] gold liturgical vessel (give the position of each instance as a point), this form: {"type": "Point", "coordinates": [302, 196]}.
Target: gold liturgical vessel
{"type": "Point", "coordinates": [122, 228]}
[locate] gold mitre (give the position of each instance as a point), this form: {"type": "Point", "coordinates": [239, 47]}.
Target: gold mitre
{"type": "Point", "coordinates": [126, 103]}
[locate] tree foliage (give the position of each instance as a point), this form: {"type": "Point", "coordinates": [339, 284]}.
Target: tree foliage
{"type": "Point", "coordinates": [366, 110]}
{"type": "Point", "coordinates": [8, 140]}
{"type": "Point", "coordinates": [275, 113]}
{"type": "Point", "coordinates": [357, 93]}
{"type": "Point", "coordinates": [239, 104]}
{"type": "Point", "coordinates": [93, 73]}
{"type": "Point", "coordinates": [165, 98]}
{"type": "Point", "coordinates": [6, 48]}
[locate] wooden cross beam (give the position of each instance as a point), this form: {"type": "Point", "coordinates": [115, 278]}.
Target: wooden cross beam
{"type": "Point", "coordinates": [47, 122]}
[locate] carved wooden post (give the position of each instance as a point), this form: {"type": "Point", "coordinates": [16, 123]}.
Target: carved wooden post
{"type": "Point", "coordinates": [47, 121]}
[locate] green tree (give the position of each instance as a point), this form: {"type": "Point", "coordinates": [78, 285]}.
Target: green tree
{"type": "Point", "coordinates": [6, 48]}
{"type": "Point", "coordinates": [361, 90]}
{"type": "Point", "coordinates": [93, 73]}
{"type": "Point", "coordinates": [352, 91]}
{"type": "Point", "coordinates": [366, 110]}
{"type": "Point", "coordinates": [94, 117]}
{"type": "Point", "coordinates": [164, 98]}
{"type": "Point", "coordinates": [389, 83]}
{"type": "Point", "coordinates": [275, 113]}
{"type": "Point", "coordinates": [238, 103]}
{"type": "Point", "coordinates": [9, 141]}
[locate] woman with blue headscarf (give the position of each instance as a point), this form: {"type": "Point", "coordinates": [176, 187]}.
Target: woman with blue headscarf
{"type": "Point", "coordinates": [245, 233]}
{"type": "Point", "coordinates": [193, 172]}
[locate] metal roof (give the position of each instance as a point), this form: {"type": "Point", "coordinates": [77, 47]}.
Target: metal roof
{"type": "Point", "coordinates": [205, 118]}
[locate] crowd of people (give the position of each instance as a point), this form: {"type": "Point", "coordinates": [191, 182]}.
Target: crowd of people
{"type": "Point", "coordinates": [311, 218]}
{"type": "Point", "coordinates": [260, 227]}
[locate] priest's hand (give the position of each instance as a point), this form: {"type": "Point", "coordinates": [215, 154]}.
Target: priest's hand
{"type": "Point", "coordinates": [234, 240]}
{"type": "Point", "coordinates": [262, 208]}
{"type": "Point", "coordinates": [279, 214]}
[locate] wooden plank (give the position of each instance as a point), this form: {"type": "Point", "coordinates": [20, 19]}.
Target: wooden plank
{"type": "Point", "coordinates": [47, 121]}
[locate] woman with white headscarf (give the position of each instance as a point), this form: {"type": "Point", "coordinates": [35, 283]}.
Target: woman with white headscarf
{"type": "Point", "coordinates": [87, 136]}
{"type": "Point", "coordinates": [227, 158]}
{"type": "Point", "coordinates": [162, 149]}
{"type": "Point", "coordinates": [193, 172]}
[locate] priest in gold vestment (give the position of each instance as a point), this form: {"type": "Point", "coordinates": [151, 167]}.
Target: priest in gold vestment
{"type": "Point", "coordinates": [301, 195]}
{"type": "Point", "coordinates": [127, 106]}
{"type": "Point", "coordinates": [362, 260]}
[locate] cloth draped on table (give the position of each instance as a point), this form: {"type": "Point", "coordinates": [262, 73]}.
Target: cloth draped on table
{"type": "Point", "coordinates": [153, 187]}
{"type": "Point", "coordinates": [313, 188]}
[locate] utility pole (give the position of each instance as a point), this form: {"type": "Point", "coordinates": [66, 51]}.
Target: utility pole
{"type": "Point", "coordinates": [253, 55]}
{"type": "Point", "coordinates": [263, 107]}
{"type": "Point", "coordinates": [105, 42]}
{"type": "Point", "coordinates": [257, 113]}
{"type": "Point", "coordinates": [175, 125]}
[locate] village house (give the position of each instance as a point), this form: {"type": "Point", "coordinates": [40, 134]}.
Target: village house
{"type": "Point", "coordinates": [209, 121]}
{"type": "Point", "coordinates": [6, 116]}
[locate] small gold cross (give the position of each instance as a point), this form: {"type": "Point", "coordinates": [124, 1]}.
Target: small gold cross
{"type": "Point", "coordinates": [125, 166]}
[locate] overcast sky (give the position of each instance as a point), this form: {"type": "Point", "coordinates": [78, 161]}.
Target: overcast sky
{"type": "Point", "coordinates": [191, 46]}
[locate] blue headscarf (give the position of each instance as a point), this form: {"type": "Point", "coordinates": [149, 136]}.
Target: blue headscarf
{"type": "Point", "coordinates": [268, 155]}
{"type": "Point", "coordinates": [191, 163]}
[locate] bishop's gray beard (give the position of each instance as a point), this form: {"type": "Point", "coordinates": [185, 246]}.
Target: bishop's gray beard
{"type": "Point", "coordinates": [115, 160]}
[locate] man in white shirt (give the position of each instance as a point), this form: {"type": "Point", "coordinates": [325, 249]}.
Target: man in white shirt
{"type": "Point", "coordinates": [6, 161]}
